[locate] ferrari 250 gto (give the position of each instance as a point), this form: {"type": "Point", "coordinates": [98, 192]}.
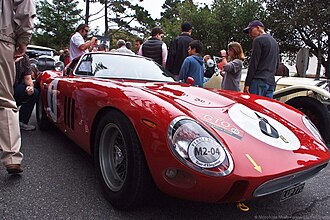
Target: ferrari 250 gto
{"type": "Point", "coordinates": [144, 129]}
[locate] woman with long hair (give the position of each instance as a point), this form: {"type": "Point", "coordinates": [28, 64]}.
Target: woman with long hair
{"type": "Point", "coordinates": [232, 68]}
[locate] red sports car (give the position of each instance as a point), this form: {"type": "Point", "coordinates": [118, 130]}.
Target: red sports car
{"type": "Point", "coordinates": [143, 129]}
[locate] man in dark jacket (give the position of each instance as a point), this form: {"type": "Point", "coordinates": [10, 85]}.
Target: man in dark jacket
{"type": "Point", "coordinates": [155, 48]}
{"type": "Point", "coordinates": [179, 49]}
{"type": "Point", "coordinates": [263, 64]}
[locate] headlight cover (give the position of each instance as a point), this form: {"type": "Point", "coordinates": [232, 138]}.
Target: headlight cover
{"type": "Point", "coordinates": [197, 148]}
{"type": "Point", "coordinates": [311, 127]}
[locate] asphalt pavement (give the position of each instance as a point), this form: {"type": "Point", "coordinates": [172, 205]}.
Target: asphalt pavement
{"type": "Point", "coordinates": [59, 182]}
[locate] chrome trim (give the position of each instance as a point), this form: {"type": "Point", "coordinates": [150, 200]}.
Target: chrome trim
{"type": "Point", "coordinates": [191, 165]}
{"type": "Point", "coordinates": [281, 183]}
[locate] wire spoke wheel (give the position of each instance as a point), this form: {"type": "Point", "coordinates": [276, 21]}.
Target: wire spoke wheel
{"type": "Point", "coordinates": [113, 157]}
{"type": "Point", "coordinates": [120, 163]}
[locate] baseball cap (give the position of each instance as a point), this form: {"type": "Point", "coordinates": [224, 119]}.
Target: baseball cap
{"type": "Point", "coordinates": [253, 24]}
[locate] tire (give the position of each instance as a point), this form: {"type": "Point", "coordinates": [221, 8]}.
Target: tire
{"type": "Point", "coordinates": [42, 120]}
{"type": "Point", "coordinates": [121, 167]}
{"type": "Point", "coordinates": [316, 112]}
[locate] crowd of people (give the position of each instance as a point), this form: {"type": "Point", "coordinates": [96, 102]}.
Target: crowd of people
{"type": "Point", "coordinates": [183, 59]}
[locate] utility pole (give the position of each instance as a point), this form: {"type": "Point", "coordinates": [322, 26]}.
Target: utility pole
{"type": "Point", "coordinates": [87, 12]}
{"type": "Point", "coordinates": [106, 25]}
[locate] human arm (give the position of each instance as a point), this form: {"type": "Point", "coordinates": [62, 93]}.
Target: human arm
{"type": "Point", "coordinates": [171, 56]}
{"type": "Point", "coordinates": [223, 54]}
{"type": "Point", "coordinates": [223, 62]}
{"type": "Point", "coordinates": [183, 75]}
{"type": "Point", "coordinates": [29, 84]}
{"type": "Point", "coordinates": [233, 67]}
{"type": "Point", "coordinates": [164, 54]}
{"type": "Point", "coordinates": [23, 18]}
{"type": "Point", "coordinates": [254, 61]}
{"type": "Point", "coordinates": [140, 50]}
{"type": "Point", "coordinates": [88, 44]}
{"type": "Point", "coordinates": [246, 89]}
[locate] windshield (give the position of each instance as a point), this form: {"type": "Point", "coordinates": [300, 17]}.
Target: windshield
{"type": "Point", "coordinates": [108, 65]}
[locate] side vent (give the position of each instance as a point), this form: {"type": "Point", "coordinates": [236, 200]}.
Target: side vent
{"type": "Point", "coordinates": [69, 107]}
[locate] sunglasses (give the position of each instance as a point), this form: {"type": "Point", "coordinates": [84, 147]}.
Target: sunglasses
{"type": "Point", "coordinates": [86, 30]}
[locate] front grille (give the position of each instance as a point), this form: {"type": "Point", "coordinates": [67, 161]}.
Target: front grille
{"type": "Point", "coordinates": [284, 182]}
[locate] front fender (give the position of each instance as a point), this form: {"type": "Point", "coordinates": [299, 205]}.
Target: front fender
{"type": "Point", "coordinates": [300, 88]}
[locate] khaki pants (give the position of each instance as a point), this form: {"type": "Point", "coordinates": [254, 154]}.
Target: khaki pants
{"type": "Point", "coordinates": [10, 136]}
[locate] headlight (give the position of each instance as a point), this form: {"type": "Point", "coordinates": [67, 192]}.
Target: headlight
{"type": "Point", "coordinates": [197, 148]}
{"type": "Point", "coordinates": [311, 127]}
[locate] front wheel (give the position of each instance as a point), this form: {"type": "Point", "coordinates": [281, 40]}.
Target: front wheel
{"type": "Point", "coordinates": [317, 113]}
{"type": "Point", "coordinates": [120, 162]}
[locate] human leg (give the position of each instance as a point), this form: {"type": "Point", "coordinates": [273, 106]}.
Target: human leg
{"type": "Point", "coordinates": [10, 137]}
{"type": "Point", "coordinates": [27, 104]}
{"type": "Point", "coordinates": [259, 87]}
{"type": "Point", "coordinates": [270, 91]}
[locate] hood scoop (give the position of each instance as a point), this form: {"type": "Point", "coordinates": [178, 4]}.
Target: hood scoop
{"type": "Point", "coordinates": [266, 128]}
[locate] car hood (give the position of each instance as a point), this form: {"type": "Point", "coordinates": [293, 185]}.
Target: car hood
{"type": "Point", "coordinates": [184, 94]}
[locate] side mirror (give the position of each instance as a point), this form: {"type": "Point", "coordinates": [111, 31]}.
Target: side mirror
{"type": "Point", "coordinates": [59, 66]}
{"type": "Point", "coordinates": [190, 81]}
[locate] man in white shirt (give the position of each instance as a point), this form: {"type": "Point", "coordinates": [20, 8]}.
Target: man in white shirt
{"type": "Point", "coordinates": [121, 44]}
{"type": "Point", "coordinates": [78, 46]}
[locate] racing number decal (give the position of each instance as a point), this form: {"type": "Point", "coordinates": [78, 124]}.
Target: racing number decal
{"type": "Point", "coordinates": [52, 99]}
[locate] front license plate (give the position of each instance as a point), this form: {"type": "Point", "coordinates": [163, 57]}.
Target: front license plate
{"type": "Point", "coordinates": [292, 191]}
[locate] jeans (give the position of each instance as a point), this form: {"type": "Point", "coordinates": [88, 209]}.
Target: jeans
{"type": "Point", "coordinates": [25, 101]}
{"type": "Point", "coordinates": [259, 87]}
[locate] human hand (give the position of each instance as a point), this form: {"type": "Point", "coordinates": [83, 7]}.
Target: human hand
{"type": "Point", "coordinates": [94, 40]}
{"type": "Point", "coordinates": [223, 53]}
{"type": "Point", "coordinates": [29, 90]}
{"type": "Point", "coordinates": [20, 50]}
{"type": "Point", "coordinates": [246, 89]}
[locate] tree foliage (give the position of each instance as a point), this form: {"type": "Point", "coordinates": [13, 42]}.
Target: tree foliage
{"type": "Point", "coordinates": [56, 21]}
{"type": "Point", "coordinates": [126, 17]}
{"type": "Point", "coordinates": [229, 18]}
{"type": "Point", "coordinates": [215, 25]}
{"type": "Point", "coordinates": [293, 23]}
{"type": "Point", "coordinates": [301, 23]}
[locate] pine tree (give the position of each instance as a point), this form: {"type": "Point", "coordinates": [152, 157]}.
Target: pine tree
{"type": "Point", "coordinates": [56, 22]}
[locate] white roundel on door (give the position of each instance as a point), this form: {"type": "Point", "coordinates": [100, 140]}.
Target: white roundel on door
{"type": "Point", "coordinates": [263, 128]}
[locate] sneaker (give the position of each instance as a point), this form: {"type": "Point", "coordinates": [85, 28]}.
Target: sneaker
{"type": "Point", "coordinates": [14, 168]}
{"type": "Point", "coordinates": [27, 127]}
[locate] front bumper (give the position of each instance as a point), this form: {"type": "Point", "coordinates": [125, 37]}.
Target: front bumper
{"type": "Point", "coordinates": [281, 183]}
